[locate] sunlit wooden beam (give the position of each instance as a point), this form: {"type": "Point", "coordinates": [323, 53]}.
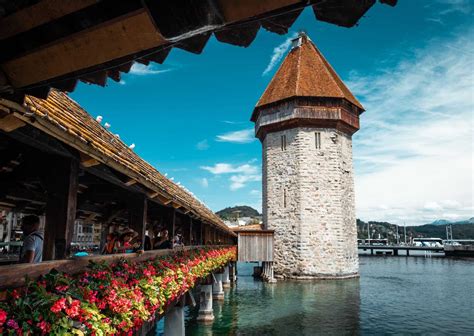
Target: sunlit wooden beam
{"type": "Point", "coordinates": [10, 123]}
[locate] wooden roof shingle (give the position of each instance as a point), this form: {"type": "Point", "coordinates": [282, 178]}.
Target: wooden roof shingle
{"type": "Point", "coordinates": [305, 73]}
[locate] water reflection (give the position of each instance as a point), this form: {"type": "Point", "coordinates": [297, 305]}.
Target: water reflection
{"type": "Point", "coordinates": [285, 308]}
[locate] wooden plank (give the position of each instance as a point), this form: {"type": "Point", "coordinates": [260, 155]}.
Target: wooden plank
{"type": "Point", "coordinates": [175, 205]}
{"type": "Point", "coordinates": [88, 161]}
{"type": "Point", "coordinates": [40, 13]}
{"type": "Point", "coordinates": [163, 199]}
{"type": "Point", "coordinates": [255, 248]}
{"type": "Point", "coordinates": [10, 123]}
{"type": "Point", "coordinates": [130, 182]}
{"type": "Point", "coordinates": [237, 10]}
{"type": "Point", "coordinates": [104, 43]}
{"type": "Point", "coordinates": [152, 194]}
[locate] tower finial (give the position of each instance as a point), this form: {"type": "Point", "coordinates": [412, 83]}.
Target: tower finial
{"type": "Point", "coordinates": [298, 41]}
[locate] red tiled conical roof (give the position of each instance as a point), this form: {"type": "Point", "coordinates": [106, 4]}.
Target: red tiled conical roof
{"type": "Point", "coordinates": [305, 73]}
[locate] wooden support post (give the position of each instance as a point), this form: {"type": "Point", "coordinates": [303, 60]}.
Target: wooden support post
{"type": "Point", "coordinates": [171, 224]}
{"type": "Point", "coordinates": [61, 180]}
{"type": "Point", "coordinates": [191, 240]}
{"type": "Point", "coordinates": [138, 208]}
{"type": "Point", "coordinates": [202, 236]}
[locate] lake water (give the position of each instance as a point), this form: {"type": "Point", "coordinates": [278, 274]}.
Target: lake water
{"type": "Point", "coordinates": [394, 295]}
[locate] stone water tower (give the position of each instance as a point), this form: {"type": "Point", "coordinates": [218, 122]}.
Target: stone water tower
{"type": "Point", "coordinates": [305, 120]}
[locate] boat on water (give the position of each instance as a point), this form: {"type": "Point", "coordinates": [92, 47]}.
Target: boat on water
{"type": "Point", "coordinates": [459, 248]}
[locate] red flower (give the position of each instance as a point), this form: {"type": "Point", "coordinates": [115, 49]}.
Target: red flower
{"type": "Point", "coordinates": [44, 326]}
{"type": "Point", "coordinates": [59, 305]}
{"type": "Point", "coordinates": [73, 309]}
{"type": "Point", "coordinates": [15, 294]}
{"type": "Point", "coordinates": [62, 288]}
{"type": "Point", "coordinates": [3, 317]}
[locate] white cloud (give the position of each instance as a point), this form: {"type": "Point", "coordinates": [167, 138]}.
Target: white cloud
{"type": "Point", "coordinates": [242, 136]}
{"type": "Point", "coordinates": [231, 122]}
{"type": "Point", "coordinates": [227, 168]}
{"type": "Point", "coordinates": [204, 182]}
{"type": "Point", "coordinates": [122, 82]}
{"type": "Point", "coordinates": [202, 145]}
{"type": "Point", "coordinates": [456, 6]}
{"type": "Point", "coordinates": [240, 181]}
{"type": "Point", "coordinates": [143, 70]}
{"type": "Point", "coordinates": [255, 192]}
{"type": "Point", "coordinates": [278, 53]}
{"type": "Point", "coordinates": [241, 174]}
{"type": "Point", "coordinates": [414, 152]}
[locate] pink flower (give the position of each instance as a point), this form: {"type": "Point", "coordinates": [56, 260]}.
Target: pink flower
{"type": "Point", "coordinates": [13, 324]}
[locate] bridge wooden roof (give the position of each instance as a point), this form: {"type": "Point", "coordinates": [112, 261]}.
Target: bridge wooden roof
{"type": "Point", "coordinates": [65, 120]}
{"type": "Point", "coordinates": [54, 44]}
{"type": "Point", "coordinates": [305, 73]}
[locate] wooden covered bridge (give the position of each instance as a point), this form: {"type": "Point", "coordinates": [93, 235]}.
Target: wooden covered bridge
{"type": "Point", "coordinates": [57, 161]}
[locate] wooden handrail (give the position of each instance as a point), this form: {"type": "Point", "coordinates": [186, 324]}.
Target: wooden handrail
{"type": "Point", "coordinates": [12, 276]}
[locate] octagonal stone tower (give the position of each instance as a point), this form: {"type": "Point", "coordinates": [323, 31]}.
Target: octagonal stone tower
{"type": "Point", "coordinates": [305, 120]}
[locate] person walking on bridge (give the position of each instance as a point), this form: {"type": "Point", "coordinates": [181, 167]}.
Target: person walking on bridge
{"type": "Point", "coordinates": [32, 249]}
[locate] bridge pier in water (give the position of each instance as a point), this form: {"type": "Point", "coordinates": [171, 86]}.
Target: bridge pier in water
{"type": "Point", "coordinates": [225, 277]}
{"type": "Point", "coordinates": [217, 290]}
{"type": "Point", "coordinates": [206, 314]}
{"type": "Point", "coordinates": [174, 320]}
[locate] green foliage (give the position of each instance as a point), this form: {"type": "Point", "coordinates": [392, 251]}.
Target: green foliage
{"type": "Point", "coordinates": [245, 211]}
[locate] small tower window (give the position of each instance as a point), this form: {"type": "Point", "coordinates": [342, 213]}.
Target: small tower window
{"type": "Point", "coordinates": [284, 198]}
{"type": "Point", "coordinates": [283, 142]}
{"type": "Point", "coordinates": [317, 140]}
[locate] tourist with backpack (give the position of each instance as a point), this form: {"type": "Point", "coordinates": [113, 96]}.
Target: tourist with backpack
{"type": "Point", "coordinates": [32, 249]}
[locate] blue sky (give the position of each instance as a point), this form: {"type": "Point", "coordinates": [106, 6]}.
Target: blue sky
{"type": "Point", "coordinates": [411, 66]}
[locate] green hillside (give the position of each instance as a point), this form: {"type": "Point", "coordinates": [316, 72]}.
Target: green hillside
{"type": "Point", "coordinates": [388, 230]}
{"type": "Point", "coordinates": [244, 211]}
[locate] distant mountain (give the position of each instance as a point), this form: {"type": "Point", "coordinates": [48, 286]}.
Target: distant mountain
{"type": "Point", "coordinates": [440, 222]}
{"type": "Point", "coordinates": [444, 221]}
{"type": "Point", "coordinates": [461, 230]}
{"type": "Point", "coordinates": [244, 211]}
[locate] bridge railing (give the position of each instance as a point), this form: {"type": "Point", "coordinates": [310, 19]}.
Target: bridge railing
{"type": "Point", "coordinates": [12, 276]}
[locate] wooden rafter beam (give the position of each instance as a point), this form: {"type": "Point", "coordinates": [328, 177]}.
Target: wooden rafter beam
{"type": "Point", "coordinates": [160, 197]}
{"type": "Point", "coordinates": [130, 182]}
{"type": "Point", "coordinates": [88, 161]}
{"type": "Point", "coordinates": [175, 205]}
{"type": "Point", "coordinates": [10, 123]}
{"type": "Point", "coordinates": [40, 13]}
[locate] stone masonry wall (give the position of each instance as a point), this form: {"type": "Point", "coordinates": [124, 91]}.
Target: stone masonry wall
{"type": "Point", "coordinates": [315, 233]}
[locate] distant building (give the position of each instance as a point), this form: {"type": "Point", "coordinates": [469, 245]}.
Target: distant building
{"type": "Point", "coordinates": [243, 221]}
{"type": "Point", "coordinates": [86, 234]}
{"type": "Point", "coordinates": [305, 120]}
